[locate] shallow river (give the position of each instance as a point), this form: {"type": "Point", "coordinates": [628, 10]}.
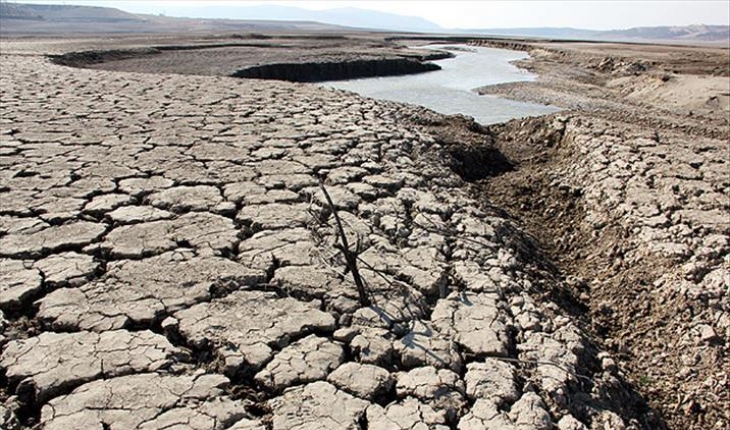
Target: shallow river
{"type": "Point", "coordinates": [449, 90]}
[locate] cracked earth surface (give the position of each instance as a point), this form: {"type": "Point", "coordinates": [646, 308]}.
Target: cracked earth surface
{"type": "Point", "coordinates": [167, 260]}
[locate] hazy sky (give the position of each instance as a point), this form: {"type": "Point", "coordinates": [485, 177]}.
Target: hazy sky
{"type": "Point", "coordinates": [598, 15]}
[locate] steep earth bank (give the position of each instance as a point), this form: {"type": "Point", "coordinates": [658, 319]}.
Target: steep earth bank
{"type": "Point", "coordinates": [629, 193]}
{"type": "Point", "coordinates": [332, 71]}
{"type": "Point", "coordinates": [638, 225]}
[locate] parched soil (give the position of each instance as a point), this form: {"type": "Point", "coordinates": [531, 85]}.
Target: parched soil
{"type": "Point", "coordinates": [170, 249]}
{"type": "Point", "coordinates": [628, 191]}
{"type": "Point", "coordinates": [648, 257]}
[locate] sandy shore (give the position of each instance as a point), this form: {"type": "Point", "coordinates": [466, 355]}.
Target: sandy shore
{"type": "Point", "coordinates": [167, 251]}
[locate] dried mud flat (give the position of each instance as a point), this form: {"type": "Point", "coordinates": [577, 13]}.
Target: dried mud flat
{"type": "Point", "coordinates": [169, 260]}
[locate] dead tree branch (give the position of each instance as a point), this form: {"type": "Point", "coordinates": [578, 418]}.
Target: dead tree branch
{"type": "Point", "coordinates": [351, 256]}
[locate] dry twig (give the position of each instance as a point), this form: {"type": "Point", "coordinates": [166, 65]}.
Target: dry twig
{"type": "Point", "coordinates": [351, 256]}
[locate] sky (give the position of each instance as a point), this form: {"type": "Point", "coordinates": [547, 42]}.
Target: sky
{"type": "Point", "coordinates": [593, 15]}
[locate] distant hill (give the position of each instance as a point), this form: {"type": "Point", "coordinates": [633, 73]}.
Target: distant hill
{"type": "Point", "coordinates": [708, 33]}
{"type": "Point", "coordinates": [65, 13]}
{"type": "Point", "coordinates": [36, 19]}
{"type": "Point", "coordinates": [694, 33]}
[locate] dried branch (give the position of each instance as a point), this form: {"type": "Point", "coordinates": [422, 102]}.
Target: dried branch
{"type": "Point", "coordinates": [351, 256]}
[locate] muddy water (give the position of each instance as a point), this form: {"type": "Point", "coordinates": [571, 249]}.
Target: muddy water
{"type": "Point", "coordinates": [449, 90]}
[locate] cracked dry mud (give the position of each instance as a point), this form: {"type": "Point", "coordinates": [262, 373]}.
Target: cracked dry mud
{"type": "Point", "coordinates": [168, 261]}
{"type": "Point", "coordinates": [629, 193]}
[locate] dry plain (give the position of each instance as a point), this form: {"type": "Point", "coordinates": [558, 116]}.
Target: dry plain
{"type": "Point", "coordinates": [169, 258]}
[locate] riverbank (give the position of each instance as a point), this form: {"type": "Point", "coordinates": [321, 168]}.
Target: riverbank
{"type": "Point", "coordinates": [296, 59]}
{"type": "Point", "coordinates": [666, 88]}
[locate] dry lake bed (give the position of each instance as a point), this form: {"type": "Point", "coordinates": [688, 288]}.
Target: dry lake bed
{"type": "Point", "coordinates": [171, 241]}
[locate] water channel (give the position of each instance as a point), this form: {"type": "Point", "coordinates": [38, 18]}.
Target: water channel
{"type": "Point", "coordinates": [450, 90]}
